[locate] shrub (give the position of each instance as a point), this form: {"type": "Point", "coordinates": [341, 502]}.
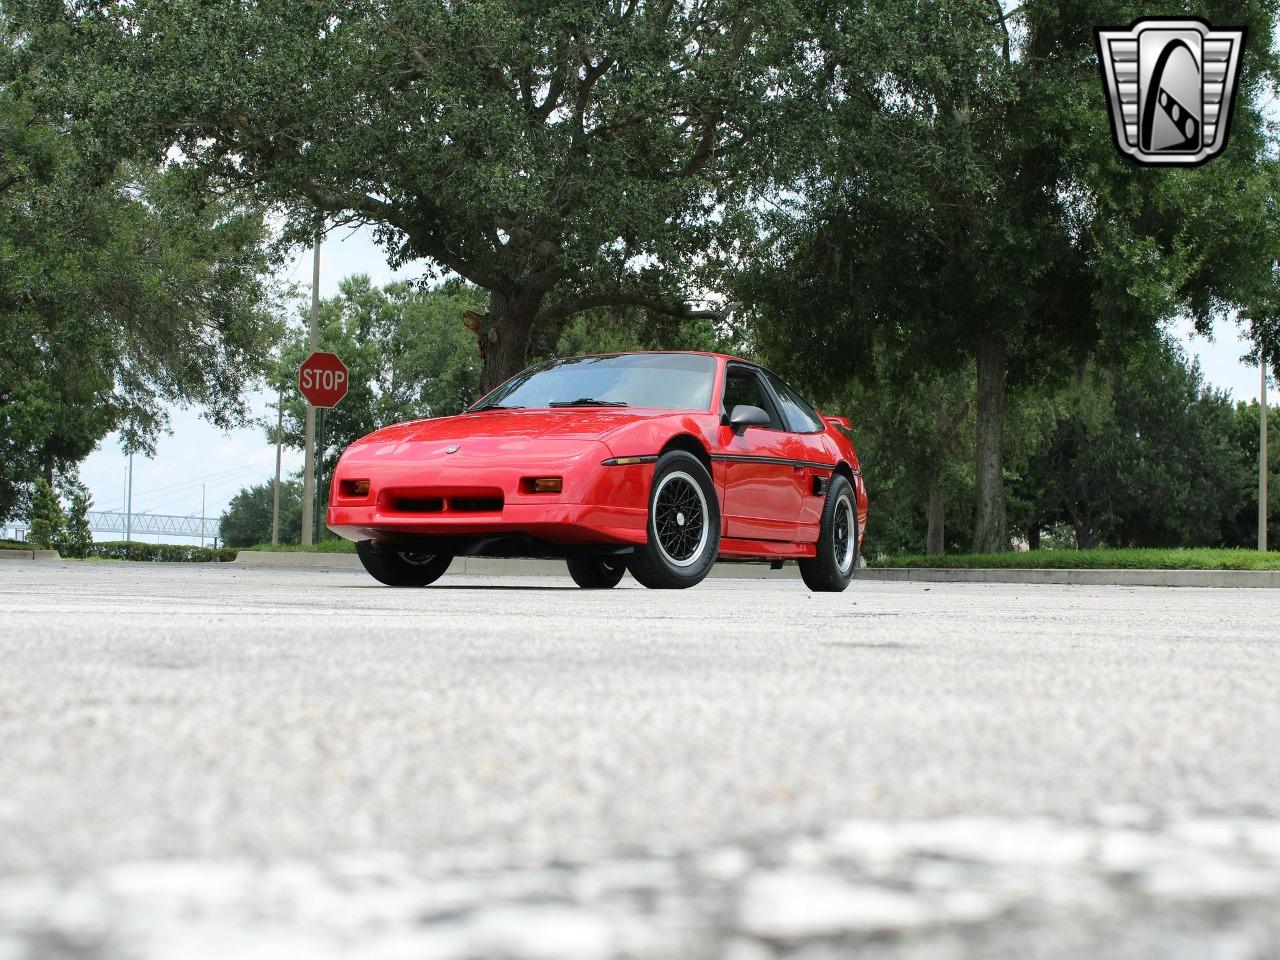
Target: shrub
{"type": "Point", "coordinates": [77, 536]}
{"type": "Point", "coordinates": [160, 552]}
{"type": "Point", "coordinates": [247, 519]}
{"type": "Point", "coordinates": [47, 518]}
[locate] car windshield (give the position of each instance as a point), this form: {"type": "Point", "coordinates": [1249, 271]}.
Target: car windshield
{"type": "Point", "coordinates": [674, 381]}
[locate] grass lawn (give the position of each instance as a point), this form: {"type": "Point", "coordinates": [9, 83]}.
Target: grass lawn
{"type": "Point", "coordinates": [1196, 559]}
{"type": "Point", "coordinates": [14, 545]}
{"type": "Point", "coordinates": [335, 545]}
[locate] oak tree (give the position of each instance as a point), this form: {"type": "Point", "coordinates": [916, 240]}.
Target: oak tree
{"type": "Point", "coordinates": [123, 289]}
{"type": "Point", "coordinates": [562, 156]}
{"type": "Point", "coordinates": [973, 210]}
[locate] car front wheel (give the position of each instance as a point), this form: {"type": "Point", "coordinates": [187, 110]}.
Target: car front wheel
{"type": "Point", "coordinates": [401, 568]}
{"type": "Point", "coordinates": [831, 569]}
{"type": "Point", "coordinates": [684, 525]}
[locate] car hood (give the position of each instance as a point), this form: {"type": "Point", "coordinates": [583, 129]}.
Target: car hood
{"type": "Point", "coordinates": [514, 428]}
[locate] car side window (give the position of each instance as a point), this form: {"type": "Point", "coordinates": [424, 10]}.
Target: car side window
{"type": "Point", "coordinates": [800, 417]}
{"type": "Point", "coordinates": [742, 386]}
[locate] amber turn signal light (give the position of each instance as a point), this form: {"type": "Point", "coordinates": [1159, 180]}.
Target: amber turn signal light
{"type": "Point", "coordinates": [355, 488]}
{"type": "Point", "coordinates": [546, 484]}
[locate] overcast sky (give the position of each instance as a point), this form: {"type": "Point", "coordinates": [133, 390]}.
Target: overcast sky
{"type": "Point", "coordinates": [198, 457]}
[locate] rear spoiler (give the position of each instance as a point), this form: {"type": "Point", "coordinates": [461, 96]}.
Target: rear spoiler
{"type": "Point", "coordinates": [840, 422]}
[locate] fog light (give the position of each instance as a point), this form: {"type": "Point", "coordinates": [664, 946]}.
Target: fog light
{"type": "Point", "coordinates": [547, 485]}
{"type": "Point", "coordinates": [355, 488]}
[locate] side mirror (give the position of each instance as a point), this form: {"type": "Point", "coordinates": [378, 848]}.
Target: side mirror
{"type": "Point", "coordinates": [744, 415]}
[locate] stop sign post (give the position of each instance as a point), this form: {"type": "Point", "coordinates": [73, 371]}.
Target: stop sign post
{"type": "Point", "coordinates": [323, 379]}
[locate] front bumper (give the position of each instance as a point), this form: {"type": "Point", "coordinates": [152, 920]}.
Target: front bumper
{"type": "Point", "coordinates": [479, 501]}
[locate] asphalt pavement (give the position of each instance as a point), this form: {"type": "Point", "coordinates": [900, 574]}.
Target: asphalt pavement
{"type": "Point", "coordinates": [225, 761]}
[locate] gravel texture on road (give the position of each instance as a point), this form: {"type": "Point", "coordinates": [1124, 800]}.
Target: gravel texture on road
{"type": "Point", "coordinates": [211, 761]}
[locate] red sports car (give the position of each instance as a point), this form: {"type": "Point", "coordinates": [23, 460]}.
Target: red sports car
{"type": "Point", "coordinates": [657, 463]}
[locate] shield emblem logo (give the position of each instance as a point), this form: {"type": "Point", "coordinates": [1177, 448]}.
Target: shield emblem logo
{"type": "Point", "coordinates": [452, 448]}
{"type": "Point", "coordinates": [1171, 84]}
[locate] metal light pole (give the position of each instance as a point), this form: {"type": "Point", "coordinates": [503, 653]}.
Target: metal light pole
{"type": "Point", "coordinates": [202, 486]}
{"type": "Point", "coordinates": [275, 499]}
{"type": "Point", "coordinates": [1262, 457]}
{"type": "Point", "coordinates": [308, 465]}
{"type": "Point", "coordinates": [128, 513]}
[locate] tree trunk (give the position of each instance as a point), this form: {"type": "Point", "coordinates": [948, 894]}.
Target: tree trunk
{"type": "Point", "coordinates": [936, 540]}
{"type": "Point", "coordinates": [504, 335]}
{"type": "Point", "coordinates": [990, 533]}
{"type": "Point", "coordinates": [1033, 537]}
{"type": "Point", "coordinates": [1087, 538]}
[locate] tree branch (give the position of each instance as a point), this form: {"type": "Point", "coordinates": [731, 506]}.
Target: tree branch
{"type": "Point", "coordinates": [1004, 25]}
{"type": "Point", "coordinates": [621, 298]}
{"type": "Point", "coordinates": [593, 74]}
{"type": "Point", "coordinates": [555, 86]}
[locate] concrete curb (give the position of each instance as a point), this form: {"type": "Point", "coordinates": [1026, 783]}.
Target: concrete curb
{"type": "Point", "coordinates": [1104, 577]}
{"type": "Point", "coordinates": [30, 555]}
{"type": "Point", "coordinates": [284, 558]}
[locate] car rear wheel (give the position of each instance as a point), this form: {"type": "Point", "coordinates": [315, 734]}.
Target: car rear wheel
{"type": "Point", "coordinates": [597, 573]}
{"type": "Point", "coordinates": [831, 569]}
{"type": "Point", "coordinates": [684, 525]}
{"type": "Point", "coordinates": [401, 568]}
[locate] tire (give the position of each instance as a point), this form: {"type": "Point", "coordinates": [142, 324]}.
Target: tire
{"type": "Point", "coordinates": [837, 550]}
{"type": "Point", "coordinates": [597, 573]}
{"type": "Point", "coordinates": [398, 568]}
{"type": "Point", "coordinates": [683, 525]}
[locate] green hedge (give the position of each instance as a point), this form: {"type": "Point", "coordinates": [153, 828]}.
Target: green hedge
{"type": "Point", "coordinates": [160, 552]}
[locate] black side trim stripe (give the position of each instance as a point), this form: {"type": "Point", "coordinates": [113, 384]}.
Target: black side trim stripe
{"type": "Point", "coordinates": [780, 461]}
{"type": "Point", "coordinates": [730, 458]}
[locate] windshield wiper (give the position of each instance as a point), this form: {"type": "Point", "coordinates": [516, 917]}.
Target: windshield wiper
{"type": "Point", "coordinates": [587, 402]}
{"type": "Point", "coordinates": [494, 406]}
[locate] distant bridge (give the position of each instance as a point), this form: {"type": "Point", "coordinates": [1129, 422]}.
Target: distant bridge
{"type": "Point", "coordinates": [113, 521]}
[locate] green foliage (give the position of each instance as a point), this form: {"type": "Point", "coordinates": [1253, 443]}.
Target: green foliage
{"type": "Point", "coordinates": [561, 156]}
{"type": "Point", "coordinates": [77, 537]}
{"type": "Point", "coordinates": [123, 289]}
{"type": "Point", "coordinates": [1103, 559]}
{"type": "Point", "coordinates": [1244, 437]}
{"type": "Point", "coordinates": [974, 197]}
{"type": "Point", "coordinates": [159, 552]}
{"type": "Point", "coordinates": [913, 429]}
{"type": "Point", "coordinates": [1144, 454]}
{"type": "Point", "coordinates": [1138, 453]}
{"type": "Point", "coordinates": [247, 519]}
{"type": "Point", "coordinates": [599, 331]}
{"type": "Point", "coordinates": [47, 518]}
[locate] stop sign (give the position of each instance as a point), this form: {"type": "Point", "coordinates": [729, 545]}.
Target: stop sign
{"type": "Point", "coordinates": [322, 378]}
